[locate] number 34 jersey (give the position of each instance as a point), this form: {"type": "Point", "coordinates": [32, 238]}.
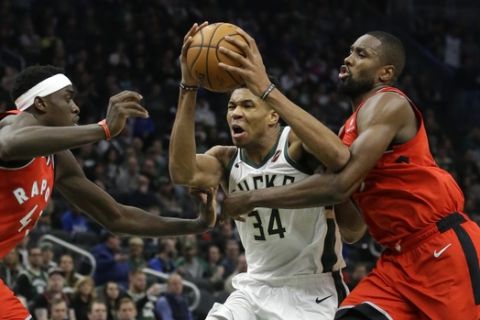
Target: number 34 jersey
{"type": "Point", "coordinates": [283, 242]}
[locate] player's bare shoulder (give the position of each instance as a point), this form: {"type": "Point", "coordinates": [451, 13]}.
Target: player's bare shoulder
{"type": "Point", "coordinates": [11, 121]}
{"type": "Point", "coordinates": [392, 109]}
{"type": "Point", "coordinates": [222, 153]}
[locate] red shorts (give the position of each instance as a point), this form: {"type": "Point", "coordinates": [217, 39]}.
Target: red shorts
{"type": "Point", "coordinates": [438, 278]}
{"type": "Point", "coordinates": [10, 307]}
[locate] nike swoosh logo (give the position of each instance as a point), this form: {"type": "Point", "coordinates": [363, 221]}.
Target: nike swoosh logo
{"type": "Point", "coordinates": [320, 300]}
{"type": "Point", "coordinates": [439, 253]}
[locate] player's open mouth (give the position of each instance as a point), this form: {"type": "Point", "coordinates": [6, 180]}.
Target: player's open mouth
{"type": "Point", "coordinates": [344, 73]}
{"type": "Point", "coordinates": [237, 131]}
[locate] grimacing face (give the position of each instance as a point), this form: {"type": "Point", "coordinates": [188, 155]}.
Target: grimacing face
{"type": "Point", "coordinates": [359, 74]}
{"type": "Point", "coordinates": [248, 117]}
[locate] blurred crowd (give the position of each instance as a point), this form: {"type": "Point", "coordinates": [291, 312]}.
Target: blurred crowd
{"type": "Point", "coordinates": [106, 46]}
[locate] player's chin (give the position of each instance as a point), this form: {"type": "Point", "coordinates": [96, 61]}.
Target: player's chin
{"type": "Point", "coordinates": [240, 139]}
{"type": "Point", "coordinates": [240, 143]}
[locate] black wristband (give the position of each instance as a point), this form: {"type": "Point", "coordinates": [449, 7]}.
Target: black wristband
{"type": "Point", "coordinates": [187, 87]}
{"type": "Point", "coordinates": [267, 91]}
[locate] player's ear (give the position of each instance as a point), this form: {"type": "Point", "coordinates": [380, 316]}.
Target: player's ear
{"type": "Point", "coordinates": [387, 73]}
{"type": "Point", "coordinates": [40, 104]}
{"type": "Point", "coordinates": [274, 118]}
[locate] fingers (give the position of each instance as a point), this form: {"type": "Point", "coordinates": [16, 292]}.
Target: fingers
{"type": "Point", "coordinates": [242, 45]}
{"type": "Point", "coordinates": [235, 70]}
{"type": "Point", "coordinates": [235, 55]}
{"type": "Point", "coordinates": [132, 109]}
{"type": "Point", "coordinates": [194, 29]}
{"type": "Point", "coordinates": [250, 40]}
{"type": "Point", "coordinates": [126, 95]}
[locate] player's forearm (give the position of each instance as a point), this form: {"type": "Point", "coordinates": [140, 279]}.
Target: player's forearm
{"type": "Point", "coordinates": [316, 190]}
{"type": "Point", "coordinates": [350, 221]}
{"type": "Point", "coordinates": [182, 150]}
{"type": "Point", "coordinates": [135, 221]}
{"type": "Point", "coordinates": [319, 139]}
{"type": "Point", "coordinates": [36, 141]}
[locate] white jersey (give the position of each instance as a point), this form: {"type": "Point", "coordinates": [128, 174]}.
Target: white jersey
{"type": "Point", "coordinates": [283, 242]}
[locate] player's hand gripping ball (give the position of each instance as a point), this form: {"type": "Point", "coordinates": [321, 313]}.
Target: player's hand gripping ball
{"type": "Point", "coordinates": [203, 57]}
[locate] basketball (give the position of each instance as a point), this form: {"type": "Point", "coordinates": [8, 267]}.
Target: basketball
{"type": "Point", "coordinates": [203, 57]}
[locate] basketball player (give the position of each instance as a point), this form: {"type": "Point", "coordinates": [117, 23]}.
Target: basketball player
{"type": "Point", "coordinates": [430, 269]}
{"type": "Point", "coordinates": [34, 143]}
{"type": "Point", "coordinates": [294, 256]}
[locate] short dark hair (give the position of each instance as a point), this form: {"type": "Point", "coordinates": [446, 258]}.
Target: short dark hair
{"type": "Point", "coordinates": [392, 50]}
{"type": "Point", "coordinates": [123, 301]}
{"type": "Point", "coordinates": [95, 301]}
{"type": "Point", "coordinates": [30, 77]}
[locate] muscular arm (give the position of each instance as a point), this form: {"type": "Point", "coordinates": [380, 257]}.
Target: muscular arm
{"type": "Point", "coordinates": [80, 191]}
{"type": "Point", "coordinates": [21, 136]}
{"type": "Point", "coordinates": [32, 141]}
{"type": "Point", "coordinates": [317, 139]}
{"type": "Point", "coordinates": [350, 221]}
{"type": "Point", "coordinates": [185, 166]}
{"type": "Point", "coordinates": [379, 123]}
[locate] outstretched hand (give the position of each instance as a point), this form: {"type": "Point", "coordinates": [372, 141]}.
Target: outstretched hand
{"type": "Point", "coordinates": [122, 106]}
{"type": "Point", "coordinates": [251, 68]}
{"type": "Point", "coordinates": [188, 78]}
{"type": "Point", "coordinates": [208, 204]}
{"type": "Point", "coordinates": [237, 205]}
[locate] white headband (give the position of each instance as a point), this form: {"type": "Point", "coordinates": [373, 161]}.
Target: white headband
{"type": "Point", "coordinates": [42, 89]}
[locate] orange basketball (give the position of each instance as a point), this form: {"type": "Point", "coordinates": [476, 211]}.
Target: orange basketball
{"type": "Point", "coordinates": [203, 57]}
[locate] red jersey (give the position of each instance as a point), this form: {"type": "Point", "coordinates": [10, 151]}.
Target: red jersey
{"type": "Point", "coordinates": [406, 190]}
{"type": "Point", "coordinates": [24, 193]}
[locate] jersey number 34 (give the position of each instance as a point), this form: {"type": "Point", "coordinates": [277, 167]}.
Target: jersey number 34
{"type": "Point", "coordinates": [274, 225]}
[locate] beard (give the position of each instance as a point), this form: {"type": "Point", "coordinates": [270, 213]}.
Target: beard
{"type": "Point", "coordinates": [352, 88]}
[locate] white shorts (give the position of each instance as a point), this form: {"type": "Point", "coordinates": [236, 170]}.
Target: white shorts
{"type": "Point", "coordinates": [297, 298]}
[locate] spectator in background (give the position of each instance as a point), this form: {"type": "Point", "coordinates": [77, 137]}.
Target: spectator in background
{"type": "Point", "coordinates": [10, 268]}
{"type": "Point", "coordinates": [168, 198]}
{"type": "Point", "coordinates": [33, 280]}
{"type": "Point", "coordinates": [111, 295]}
{"type": "Point", "coordinates": [239, 268]}
{"type": "Point", "coordinates": [111, 262]}
{"type": "Point", "coordinates": [137, 290]}
{"type": "Point", "coordinates": [142, 197]}
{"type": "Point", "coordinates": [97, 310]}
{"type": "Point", "coordinates": [230, 261]}
{"type": "Point", "coordinates": [215, 270]}
{"type": "Point", "coordinates": [47, 256]}
{"type": "Point", "coordinates": [204, 115]}
{"type": "Point", "coordinates": [173, 305]}
{"type": "Point", "coordinates": [126, 309]}
{"type": "Point", "coordinates": [66, 264]}
{"type": "Point", "coordinates": [136, 259]}
{"type": "Point", "coordinates": [74, 221]}
{"type": "Point", "coordinates": [82, 298]}
{"type": "Point", "coordinates": [190, 266]}
{"type": "Point", "coordinates": [163, 260]}
{"type": "Point", "coordinates": [126, 181]}
{"type": "Point", "coordinates": [58, 310]}
{"type": "Point", "coordinates": [42, 303]}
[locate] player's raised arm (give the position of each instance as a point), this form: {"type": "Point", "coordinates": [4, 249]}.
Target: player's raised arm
{"type": "Point", "coordinates": [121, 219]}
{"type": "Point", "coordinates": [185, 166]}
{"type": "Point", "coordinates": [36, 132]}
{"type": "Point", "coordinates": [316, 137]}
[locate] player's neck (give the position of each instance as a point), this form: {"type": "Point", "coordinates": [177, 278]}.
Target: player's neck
{"type": "Point", "coordinates": [259, 149]}
{"type": "Point", "coordinates": [356, 101]}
